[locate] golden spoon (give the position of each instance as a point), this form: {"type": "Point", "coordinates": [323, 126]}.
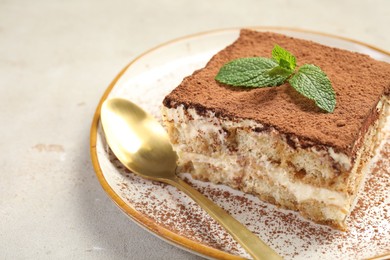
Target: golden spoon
{"type": "Point", "coordinates": [143, 146]}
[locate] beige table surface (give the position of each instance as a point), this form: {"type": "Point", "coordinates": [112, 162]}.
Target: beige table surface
{"type": "Point", "coordinates": [57, 58]}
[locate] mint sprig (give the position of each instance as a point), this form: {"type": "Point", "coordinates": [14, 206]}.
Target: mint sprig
{"type": "Point", "coordinates": [309, 80]}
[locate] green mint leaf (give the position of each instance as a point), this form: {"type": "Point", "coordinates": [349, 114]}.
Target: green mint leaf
{"type": "Point", "coordinates": [312, 82]}
{"type": "Point", "coordinates": [280, 71]}
{"type": "Point", "coordinates": [252, 72]}
{"type": "Point", "coordinates": [285, 64]}
{"type": "Point", "coordinates": [284, 57]}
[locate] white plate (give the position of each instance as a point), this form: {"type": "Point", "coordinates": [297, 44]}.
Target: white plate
{"type": "Point", "coordinates": [173, 216]}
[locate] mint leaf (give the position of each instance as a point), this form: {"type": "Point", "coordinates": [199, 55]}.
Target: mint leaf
{"type": "Point", "coordinates": [312, 82]}
{"type": "Point", "coordinates": [285, 64]}
{"type": "Point", "coordinates": [284, 57]}
{"type": "Point", "coordinates": [252, 72]}
{"type": "Point", "coordinates": [281, 71]}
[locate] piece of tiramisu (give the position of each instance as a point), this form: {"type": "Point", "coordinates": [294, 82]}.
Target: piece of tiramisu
{"type": "Point", "coordinates": [275, 143]}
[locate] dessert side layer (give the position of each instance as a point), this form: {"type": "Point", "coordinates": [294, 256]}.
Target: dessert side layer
{"type": "Point", "coordinates": [210, 154]}
{"type": "Point", "coordinates": [274, 143]}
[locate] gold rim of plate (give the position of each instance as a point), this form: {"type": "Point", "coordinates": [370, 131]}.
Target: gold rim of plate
{"type": "Point", "coordinates": [144, 220]}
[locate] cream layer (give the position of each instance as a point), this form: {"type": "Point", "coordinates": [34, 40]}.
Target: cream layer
{"type": "Point", "coordinates": [238, 151]}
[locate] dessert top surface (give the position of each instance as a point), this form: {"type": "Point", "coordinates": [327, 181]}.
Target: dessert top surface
{"type": "Point", "coordinates": [358, 80]}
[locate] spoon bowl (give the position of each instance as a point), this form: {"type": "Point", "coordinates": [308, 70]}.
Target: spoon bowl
{"type": "Point", "coordinates": [137, 139]}
{"type": "Point", "coordinates": [142, 145]}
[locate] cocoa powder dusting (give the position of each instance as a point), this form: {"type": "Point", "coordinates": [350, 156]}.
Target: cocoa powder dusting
{"type": "Point", "coordinates": [359, 82]}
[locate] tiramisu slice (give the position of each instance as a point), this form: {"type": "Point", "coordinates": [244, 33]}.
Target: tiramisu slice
{"type": "Point", "coordinates": [275, 143]}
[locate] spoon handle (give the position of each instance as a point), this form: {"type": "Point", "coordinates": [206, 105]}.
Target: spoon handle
{"type": "Point", "coordinates": [249, 241]}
